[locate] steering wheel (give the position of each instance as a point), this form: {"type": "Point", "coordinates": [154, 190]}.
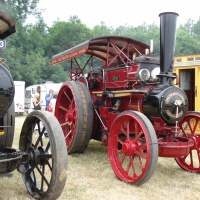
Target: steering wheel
{"type": "Point", "coordinates": [75, 73]}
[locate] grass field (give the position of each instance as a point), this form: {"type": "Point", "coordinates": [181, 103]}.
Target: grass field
{"type": "Point", "coordinates": [90, 177]}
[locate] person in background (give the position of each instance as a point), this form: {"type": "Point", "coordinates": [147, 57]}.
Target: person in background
{"type": "Point", "coordinates": [36, 102]}
{"type": "Point", "coordinates": [53, 102]}
{"type": "Point", "coordinates": [48, 98]}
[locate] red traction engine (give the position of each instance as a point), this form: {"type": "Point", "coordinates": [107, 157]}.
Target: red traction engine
{"type": "Point", "coordinates": [122, 95]}
{"type": "Point", "coordinates": [39, 159]}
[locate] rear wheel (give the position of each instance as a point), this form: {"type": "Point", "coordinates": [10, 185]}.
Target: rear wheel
{"type": "Point", "coordinates": [74, 112]}
{"type": "Point", "coordinates": [8, 120]}
{"type": "Point", "coordinates": [45, 173]}
{"type": "Point", "coordinates": [132, 147]}
{"type": "Point", "coordinates": [190, 128]}
{"type": "Point", "coordinates": [87, 117]}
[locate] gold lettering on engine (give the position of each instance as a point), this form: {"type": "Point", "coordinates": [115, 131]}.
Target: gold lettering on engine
{"type": "Point", "coordinates": [168, 98]}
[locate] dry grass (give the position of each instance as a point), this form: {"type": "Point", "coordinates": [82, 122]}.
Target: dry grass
{"type": "Point", "coordinates": [91, 177]}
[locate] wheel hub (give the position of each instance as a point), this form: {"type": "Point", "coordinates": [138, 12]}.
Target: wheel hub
{"type": "Point", "coordinates": [129, 147]}
{"type": "Point", "coordinates": [37, 156]}
{"type": "Point", "coordinates": [196, 141]}
{"type": "Point", "coordinates": [69, 116]}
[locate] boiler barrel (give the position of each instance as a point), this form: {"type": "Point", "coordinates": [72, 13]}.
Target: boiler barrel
{"type": "Point", "coordinates": [7, 90]}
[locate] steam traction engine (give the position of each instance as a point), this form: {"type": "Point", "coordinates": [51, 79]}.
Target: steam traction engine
{"type": "Point", "coordinates": [41, 160]}
{"type": "Point", "coordinates": [128, 102]}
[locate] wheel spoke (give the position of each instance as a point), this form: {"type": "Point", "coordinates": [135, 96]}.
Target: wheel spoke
{"type": "Point", "coordinates": [68, 134]}
{"type": "Point", "coordinates": [140, 154]}
{"type": "Point", "coordinates": [49, 165]}
{"type": "Point", "coordinates": [137, 136]}
{"type": "Point", "coordinates": [129, 164]}
{"type": "Point", "coordinates": [39, 139]}
{"type": "Point", "coordinates": [63, 108]}
{"type": "Point", "coordinates": [42, 179]}
{"type": "Point", "coordinates": [47, 147]}
{"type": "Point", "coordinates": [66, 95]}
{"type": "Point", "coordinates": [120, 141]}
{"type": "Point", "coordinates": [42, 175]}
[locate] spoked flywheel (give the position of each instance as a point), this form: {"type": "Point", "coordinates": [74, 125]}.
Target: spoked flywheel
{"type": "Point", "coordinates": [74, 111]}
{"type": "Point", "coordinates": [42, 139]}
{"type": "Point", "coordinates": [190, 128]}
{"type": "Point", "coordinates": [132, 147]}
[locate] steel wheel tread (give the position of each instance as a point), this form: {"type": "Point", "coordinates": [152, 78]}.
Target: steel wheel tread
{"type": "Point", "coordinates": [87, 117]}
{"type": "Point", "coordinates": [46, 172]}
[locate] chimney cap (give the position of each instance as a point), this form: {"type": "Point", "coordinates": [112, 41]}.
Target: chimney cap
{"type": "Point", "coordinates": [168, 13]}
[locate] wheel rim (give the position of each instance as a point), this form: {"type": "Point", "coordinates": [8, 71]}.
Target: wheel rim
{"type": "Point", "coordinates": [42, 174]}
{"type": "Point", "coordinates": [69, 112]}
{"type": "Point", "coordinates": [190, 128]}
{"type": "Point", "coordinates": [132, 157]}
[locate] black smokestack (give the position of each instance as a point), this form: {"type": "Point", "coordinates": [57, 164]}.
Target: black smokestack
{"type": "Point", "coordinates": [167, 44]}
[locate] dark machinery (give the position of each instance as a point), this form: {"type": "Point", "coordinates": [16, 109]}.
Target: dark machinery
{"type": "Point", "coordinates": [39, 158]}
{"type": "Point", "coordinates": [129, 102]}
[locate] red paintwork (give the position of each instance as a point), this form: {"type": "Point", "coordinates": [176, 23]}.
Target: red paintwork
{"type": "Point", "coordinates": [67, 115]}
{"type": "Point", "coordinates": [118, 77]}
{"type": "Point", "coordinates": [131, 158]}
{"type": "Point", "coordinates": [114, 89]}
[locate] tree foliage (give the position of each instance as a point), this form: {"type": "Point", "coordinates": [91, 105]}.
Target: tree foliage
{"type": "Point", "coordinates": [20, 9]}
{"type": "Point", "coordinates": [31, 48]}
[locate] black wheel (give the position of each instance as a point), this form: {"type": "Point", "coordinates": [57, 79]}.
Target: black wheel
{"type": "Point", "coordinates": [74, 112]}
{"type": "Point", "coordinates": [132, 147]}
{"type": "Point", "coordinates": [87, 117]}
{"type": "Point", "coordinates": [45, 173]}
{"type": "Point", "coordinates": [9, 121]}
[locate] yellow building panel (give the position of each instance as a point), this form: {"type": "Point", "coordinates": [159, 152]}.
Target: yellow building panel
{"type": "Point", "coordinates": [190, 62]}
{"type": "Point", "coordinates": [197, 89]}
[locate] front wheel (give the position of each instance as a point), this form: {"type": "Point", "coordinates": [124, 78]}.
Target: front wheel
{"type": "Point", "coordinates": [132, 147]}
{"type": "Point", "coordinates": [46, 172]}
{"type": "Point", "coordinates": [190, 128]}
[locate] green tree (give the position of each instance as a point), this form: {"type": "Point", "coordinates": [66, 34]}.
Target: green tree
{"type": "Point", "coordinates": [20, 9]}
{"type": "Point", "coordinates": [196, 30]}
{"type": "Point", "coordinates": [101, 30]}
{"type": "Point", "coordinates": [185, 43]}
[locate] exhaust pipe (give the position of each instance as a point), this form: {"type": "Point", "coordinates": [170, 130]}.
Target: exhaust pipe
{"type": "Point", "coordinates": [167, 46]}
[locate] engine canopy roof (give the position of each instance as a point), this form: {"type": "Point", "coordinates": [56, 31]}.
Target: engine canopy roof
{"type": "Point", "coordinates": [7, 25]}
{"type": "Point", "coordinates": [105, 48]}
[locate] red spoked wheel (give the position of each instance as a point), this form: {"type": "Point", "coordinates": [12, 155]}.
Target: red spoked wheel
{"type": "Point", "coordinates": [132, 147]}
{"type": "Point", "coordinates": [75, 114]}
{"type": "Point", "coordinates": [75, 73]}
{"type": "Point", "coordinates": [190, 128]}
